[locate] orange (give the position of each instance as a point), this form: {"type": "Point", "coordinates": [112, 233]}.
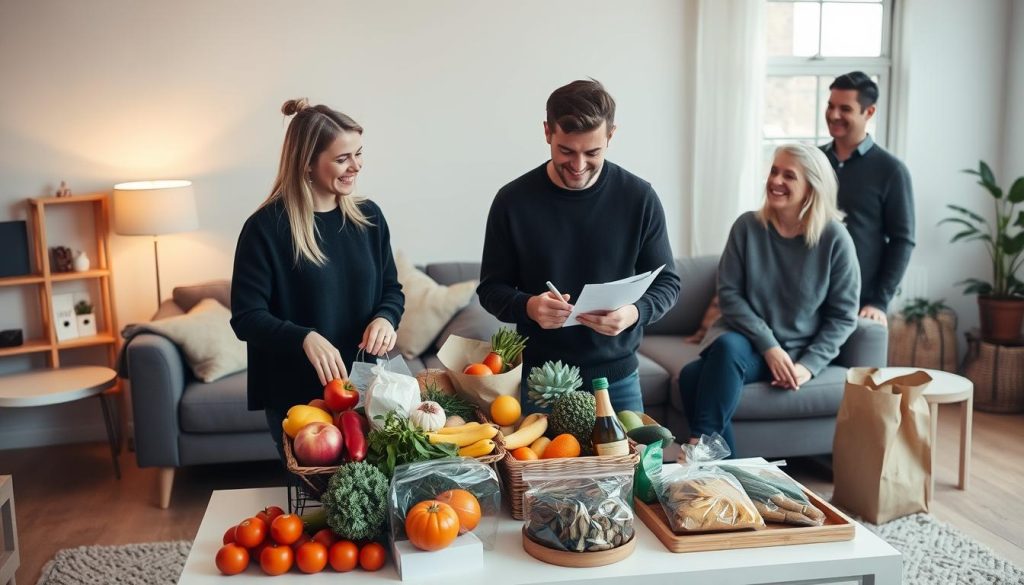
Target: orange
{"type": "Point", "coordinates": [564, 445]}
{"type": "Point", "coordinates": [524, 454]}
{"type": "Point", "coordinates": [477, 370]}
{"type": "Point", "coordinates": [505, 410]}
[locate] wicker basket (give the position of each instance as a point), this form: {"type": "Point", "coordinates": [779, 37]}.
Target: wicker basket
{"type": "Point", "coordinates": [512, 471]}
{"type": "Point", "coordinates": [998, 375]}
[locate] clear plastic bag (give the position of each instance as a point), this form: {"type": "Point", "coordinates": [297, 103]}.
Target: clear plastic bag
{"type": "Point", "coordinates": [430, 480]}
{"type": "Point", "coordinates": [570, 512]}
{"type": "Point", "coordinates": [390, 391]}
{"type": "Point", "coordinates": [698, 497]}
{"type": "Point", "coordinates": [775, 495]}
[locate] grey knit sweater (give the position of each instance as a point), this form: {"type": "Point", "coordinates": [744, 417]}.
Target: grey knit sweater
{"type": "Point", "coordinates": [778, 292]}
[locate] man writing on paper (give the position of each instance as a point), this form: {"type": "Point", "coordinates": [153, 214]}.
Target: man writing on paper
{"type": "Point", "coordinates": [574, 220]}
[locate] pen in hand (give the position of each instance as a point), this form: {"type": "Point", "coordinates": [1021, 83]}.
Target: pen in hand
{"type": "Point", "coordinates": [554, 291]}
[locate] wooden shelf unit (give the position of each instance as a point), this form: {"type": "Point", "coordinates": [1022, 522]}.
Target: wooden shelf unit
{"type": "Point", "coordinates": [99, 205]}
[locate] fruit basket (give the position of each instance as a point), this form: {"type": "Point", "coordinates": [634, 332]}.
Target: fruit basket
{"type": "Point", "coordinates": [313, 480]}
{"type": "Point", "coordinates": [511, 470]}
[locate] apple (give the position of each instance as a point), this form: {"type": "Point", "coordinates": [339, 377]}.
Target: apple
{"type": "Point", "coordinates": [341, 395]}
{"type": "Point", "coordinates": [318, 444]}
{"type": "Point", "coordinates": [320, 403]}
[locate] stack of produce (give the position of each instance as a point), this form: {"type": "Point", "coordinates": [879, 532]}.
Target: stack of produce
{"type": "Point", "coordinates": [277, 542]}
{"type": "Point", "coordinates": [506, 349]}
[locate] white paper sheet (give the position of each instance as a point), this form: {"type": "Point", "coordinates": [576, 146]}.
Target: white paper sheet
{"type": "Point", "coordinates": [609, 296]}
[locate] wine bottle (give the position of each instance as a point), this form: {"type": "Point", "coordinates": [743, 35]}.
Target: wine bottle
{"type": "Point", "coordinates": [608, 436]}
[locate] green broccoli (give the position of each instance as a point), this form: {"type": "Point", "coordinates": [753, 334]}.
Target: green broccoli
{"type": "Point", "coordinates": [574, 413]}
{"type": "Point", "coordinates": [356, 500]}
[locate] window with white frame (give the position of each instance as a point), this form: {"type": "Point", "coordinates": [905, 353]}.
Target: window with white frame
{"type": "Point", "coordinates": [809, 44]}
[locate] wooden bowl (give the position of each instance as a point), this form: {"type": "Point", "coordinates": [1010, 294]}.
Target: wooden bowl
{"type": "Point", "coordinates": [566, 558]}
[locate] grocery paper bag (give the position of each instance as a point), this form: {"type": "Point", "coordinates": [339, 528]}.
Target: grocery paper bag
{"type": "Point", "coordinates": [881, 453]}
{"type": "Point", "coordinates": [458, 352]}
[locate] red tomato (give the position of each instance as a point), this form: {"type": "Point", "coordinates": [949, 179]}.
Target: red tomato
{"type": "Point", "coordinates": [229, 536]}
{"type": "Point", "coordinates": [232, 559]}
{"type": "Point", "coordinates": [286, 529]}
{"type": "Point", "coordinates": [326, 537]}
{"type": "Point", "coordinates": [301, 541]}
{"type": "Point", "coordinates": [269, 513]}
{"type": "Point", "coordinates": [250, 532]}
{"type": "Point", "coordinates": [276, 559]}
{"type": "Point", "coordinates": [343, 556]}
{"type": "Point", "coordinates": [372, 556]}
{"type": "Point", "coordinates": [494, 362]}
{"type": "Point", "coordinates": [311, 557]}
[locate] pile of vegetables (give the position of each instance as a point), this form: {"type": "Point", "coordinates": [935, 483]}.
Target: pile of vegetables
{"type": "Point", "coordinates": [400, 441]}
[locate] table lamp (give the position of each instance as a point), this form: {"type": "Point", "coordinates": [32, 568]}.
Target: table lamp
{"type": "Point", "coordinates": [154, 208]}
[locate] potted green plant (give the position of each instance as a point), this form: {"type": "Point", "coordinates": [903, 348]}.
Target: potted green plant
{"type": "Point", "coordinates": [1001, 300]}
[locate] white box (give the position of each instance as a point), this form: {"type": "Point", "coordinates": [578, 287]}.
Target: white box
{"type": "Point", "coordinates": [64, 320]}
{"type": "Point", "coordinates": [466, 554]}
{"type": "Point", "coordinates": [86, 325]}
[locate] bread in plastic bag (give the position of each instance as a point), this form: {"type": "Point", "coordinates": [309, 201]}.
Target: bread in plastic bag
{"type": "Point", "coordinates": [569, 512]}
{"type": "Point", "coordinates": [775, 495]}
{"type": "Point", "coordinates": [429, 480]}
{"type": "Point", "coordinates": [698, 497]}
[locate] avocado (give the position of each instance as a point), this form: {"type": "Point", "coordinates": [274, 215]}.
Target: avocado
{"type": "Point", "coordinates": [648, 434]}
{"type": "Point", "coordinates": [629, 419]}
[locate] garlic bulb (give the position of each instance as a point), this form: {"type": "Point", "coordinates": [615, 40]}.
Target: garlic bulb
{"type": "Point", "coordinates": [428, 416]}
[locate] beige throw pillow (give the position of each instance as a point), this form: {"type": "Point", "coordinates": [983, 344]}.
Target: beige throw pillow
{"type": "Point", "coordinates": [205, 336]}
{"type": "Point", "coordinates": [428, 307]}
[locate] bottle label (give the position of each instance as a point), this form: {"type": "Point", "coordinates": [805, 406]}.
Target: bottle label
{"type": "Point", "coordinates": [616, 448]}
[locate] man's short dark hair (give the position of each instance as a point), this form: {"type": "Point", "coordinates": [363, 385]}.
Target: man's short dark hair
{"type": "Point", "coordinates": [867, 90]}
{"type": "Point", "coordinates": [580, 106]}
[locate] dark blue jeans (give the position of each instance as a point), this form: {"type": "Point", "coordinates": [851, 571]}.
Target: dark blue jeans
{"type": "Point", "coordinates": [711, 386]}
{"type": "Point", "coordinates": [624, 393]}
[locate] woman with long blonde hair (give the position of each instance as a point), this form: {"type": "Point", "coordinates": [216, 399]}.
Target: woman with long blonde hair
{"type": "Point", "coordinates": [788, 288]}
{"type": "Point", "coordinates": [314, 278]}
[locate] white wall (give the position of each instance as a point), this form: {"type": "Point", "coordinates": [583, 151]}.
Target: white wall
{"type": "Point", "coordinates": [955, 83]}
{"type": "Point", "coordinates": [1013, 137]}
{"type": "Point", "coordinates": [451, 94]}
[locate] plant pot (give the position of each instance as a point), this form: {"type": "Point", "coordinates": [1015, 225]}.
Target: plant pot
{"type": "Point", "coordinates": [86, 325]}
{"type": "Point", "coordinates": [1001, 319]}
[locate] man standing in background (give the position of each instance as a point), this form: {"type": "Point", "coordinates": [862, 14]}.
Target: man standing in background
{"type": "Point", "coordinates": [874, 192]}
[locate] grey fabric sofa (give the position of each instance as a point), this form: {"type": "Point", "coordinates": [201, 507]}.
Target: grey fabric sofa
{"type": "Point", "coordinates": [180, 421]}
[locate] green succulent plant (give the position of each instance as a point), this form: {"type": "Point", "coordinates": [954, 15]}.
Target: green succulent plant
{"type": "Point", "coordinates": [550, 381]}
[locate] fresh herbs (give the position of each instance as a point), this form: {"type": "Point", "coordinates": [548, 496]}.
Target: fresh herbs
{"type": "Point", "coordinates": [450, 403]}
{"type": "Point", "coordinates": [399, 441]}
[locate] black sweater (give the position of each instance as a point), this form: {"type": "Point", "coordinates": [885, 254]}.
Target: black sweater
{"type": "Point", "coordinates": [275, 304]}
{"type": "Point", "coordinates": [537, 232]}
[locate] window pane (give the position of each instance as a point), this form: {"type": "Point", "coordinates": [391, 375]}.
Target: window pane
{"type": "Point", "coordinates": [824, 82]}
{"type": "Point", "coordinates": [792, 29]}
{"type": "Point", "coordinates": [790, 107]}
{"type": "Point", "coordinates": [851, 29]}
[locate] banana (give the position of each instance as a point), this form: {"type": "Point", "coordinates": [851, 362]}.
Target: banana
{"type": "Point", "coordinates": [458, 429]}
{"type": "Point", "coordinates": [527, 433]}
{"type": "Point", "coordinates": [478, 449]}
{"type": "Point", "coordinates": [467, 437]}
{"type": "Point", "coordinates": [530, 418]}
{"type": "Point", "coordinates": [539, 445]}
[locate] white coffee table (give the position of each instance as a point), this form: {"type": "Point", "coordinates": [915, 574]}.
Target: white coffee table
{"type": "Point", "coordinates": [866, 557]}
{"type": "Point", "coordinates": [945, 388]}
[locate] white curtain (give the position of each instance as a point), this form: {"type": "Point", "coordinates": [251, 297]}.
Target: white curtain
{"type": "Point", "coordinates": [727, 109]}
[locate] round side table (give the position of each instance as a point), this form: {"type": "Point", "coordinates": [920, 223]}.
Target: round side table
{"type": "Point", "coordinates": [56, 386]}
{"type": "Point", "coordinates": [945, 388]}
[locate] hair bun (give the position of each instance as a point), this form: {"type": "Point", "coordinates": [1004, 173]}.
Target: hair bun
{"type": "Point", "coordinates": [292, 107]}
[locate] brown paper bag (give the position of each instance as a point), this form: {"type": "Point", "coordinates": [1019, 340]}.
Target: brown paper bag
{"type": "Point", "coordinates": [458, 352]}
{"type": "Point", "coordinates": [881, 454]}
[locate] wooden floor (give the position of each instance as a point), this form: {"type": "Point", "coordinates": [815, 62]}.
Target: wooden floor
{"type": "Point", "coordinates": [67, 496]}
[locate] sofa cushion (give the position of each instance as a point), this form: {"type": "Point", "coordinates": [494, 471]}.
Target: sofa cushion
{"type": "Point", "coordinates": [452, 272]}
{"type": "Point", "coordinates": [654, 381]}
{"type": "Point", "coordinates": [472, 322]}
{"type": "Point", "coordinates": [429, 306]}
{"type": "Point", "coordinates": [219, 407]}
{"type": "Point", "coordinates": [818, 397]}
{"type": "Point", "coordinates": [205, 337]}
{"type": "Point", "coordinates": [187, 297]}
{"type": "Point", "coordinates": [697, 286]}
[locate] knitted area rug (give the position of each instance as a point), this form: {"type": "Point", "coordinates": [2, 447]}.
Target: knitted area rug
{"type": "Point", "coordinates": [936, 552]}
{"type": "Point", "coordinates": [131, 564]}
{"type": "Point", "coordinates": [933, 553]}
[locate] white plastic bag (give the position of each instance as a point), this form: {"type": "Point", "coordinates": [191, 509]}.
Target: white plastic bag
{"type": "Point", "coordinates": [390, 391]}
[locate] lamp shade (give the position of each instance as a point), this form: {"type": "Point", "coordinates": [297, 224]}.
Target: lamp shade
{"type": "Point", "coordinates": [150, 208]}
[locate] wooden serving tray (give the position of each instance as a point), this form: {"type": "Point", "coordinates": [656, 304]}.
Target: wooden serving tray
{"type": "Point", "coordinates": [577, 559]}
{"type": "Point", "coordinates": [838, 526]}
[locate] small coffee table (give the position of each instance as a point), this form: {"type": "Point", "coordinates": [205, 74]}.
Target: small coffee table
{"type": "Point", "coordinates": [867, 558]}
{"type": "Point", "coordinates": [56, 386]}
{"type": "Point", "coordinates": [946, 388]}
